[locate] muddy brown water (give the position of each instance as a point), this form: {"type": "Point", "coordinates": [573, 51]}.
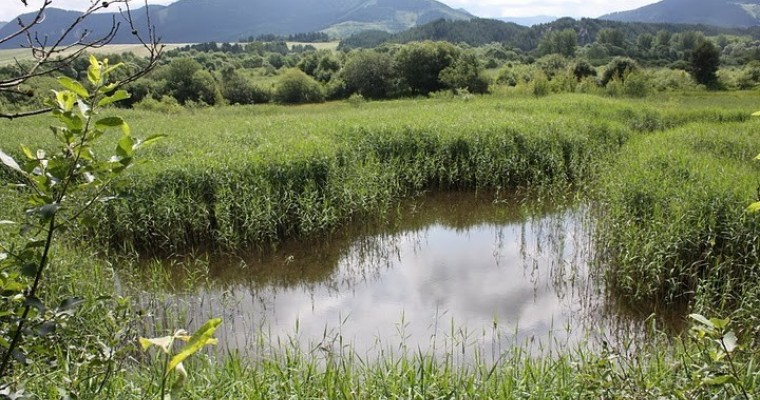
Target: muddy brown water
{"type": "Point", "coordinates": [451, 273]}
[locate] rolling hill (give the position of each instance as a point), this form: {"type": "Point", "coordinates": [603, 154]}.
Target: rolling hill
{"type": "Point", "coordinates": [726, 13]}
{"type": "Point", "coordinates": [192, 21]}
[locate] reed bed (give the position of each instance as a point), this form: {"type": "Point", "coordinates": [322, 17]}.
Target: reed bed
{"type": "Point", "coordinates": [243, 175]}
{"type": "Point", "coordinates": [672, 218]}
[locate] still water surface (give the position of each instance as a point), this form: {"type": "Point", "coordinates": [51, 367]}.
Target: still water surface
{"type": "Point", "coordinates": [438, 272]}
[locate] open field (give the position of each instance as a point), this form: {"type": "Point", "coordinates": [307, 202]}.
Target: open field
{"type": "Point", "coordinates": [8, 56]}
{"type": "Point", "coordinates": [668, 177]}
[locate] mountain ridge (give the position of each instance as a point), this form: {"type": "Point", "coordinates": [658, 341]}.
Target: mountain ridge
{"type": "Point", "coordinates": [724, 13]}
{"type": "Point", "coordinates": [195, 21]}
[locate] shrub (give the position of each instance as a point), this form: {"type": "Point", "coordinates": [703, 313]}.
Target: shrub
{"type": "Point", "coordinates": [166, 105]}
{"type": "Point", "coordinates": [507, 76]}
{"type": "Point", "coordinates": [637, 85]}
{"type": "Point", "coordinates": [205, 88]}
{"type": "Point", "coordinates": [465, 73]}
{"type": "Point", "coordinates": [540, 85]}
{"type": "Point", "coordinates": [295, 87]}
{"type": "Point", "coordinates": [369, 73]}
{"type": "Point", "coordinates": [705, 60]}
{"type": "Point", "coordinates": [619, 68]}
{"type": "Point", "coordinates": [583, 69]}
{"type": "Point", "coordinates": [239, 90]}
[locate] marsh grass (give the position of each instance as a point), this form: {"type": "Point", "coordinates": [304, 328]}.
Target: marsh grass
{"type": "Point", "coordinates": [242, 175]}
{"type": "Point", "coordinates": [672, 220]}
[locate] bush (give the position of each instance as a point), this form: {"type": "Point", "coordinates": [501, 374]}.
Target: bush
{"type": "Point", "coordinates": [583, 69]}
{"type": "Point", "coordinates": [239, 90]}
{"type": "Point", "coordinates": [619, 68]}
{"type": "Point", "coordinates": [507, 76]}
{"type": "Point", "coordinates": [465, 73]}
{"type": "Point", "coordinates": [166, 105]}
{"type": "Point", "coordinates": [664, 79]}
{"type": "Point", "coordinates": [295, 87]}
{"type": "Point", "coordinates": [205, 89]}
{"type": "Point", "coordinates": [369, 73]}
{"type": "Point", "coordinates": [637, 85]}
{"type": "Point", "coordinates": [749, 77]}
{"type": "Point", "coordinates": [540, 85]}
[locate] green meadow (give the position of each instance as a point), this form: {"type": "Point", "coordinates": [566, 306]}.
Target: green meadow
{"type": "Point", "coordinates": [668, 179]}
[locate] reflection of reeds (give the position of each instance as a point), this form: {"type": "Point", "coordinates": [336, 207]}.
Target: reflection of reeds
{"type": "Point", "coordinates": [554, 248]}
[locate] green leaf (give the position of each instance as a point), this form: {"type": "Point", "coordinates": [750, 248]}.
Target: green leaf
{"type": "Point", "coordinates": [150, 140]}
{"type": "Point", "coordinates": [702, 320]}
{"type": "Point", "coordinates": [65, 100]}
{"type": "Point", "coordinates": [46, 328]}
{"type": "Point", "coordinates": [49, 210]}
{"type": "Point", "coordinates": [28, 152]}
{"type": "Point", "coordinates": [113, 68]}
{"type": "Point", "coordinates": [9, 162]}
{"type": "Point", "coordinates": [201, 337]}
{"type": "Point", "coordinates": [118, 96]}
{"type": "Point", "coordinates": [718, 380]}
{"type": "Point", "coordinates": [754, 207]}
{"type": "Point", "coordinates": [29, 270]}
{"type": "Point", "coordinates": [94, 71]}
{"type": "Point", "coordinates": [125, 147]}
{"type": "Point", "coordinates": [74, 86]}
{"type": "Point", "coordinates": [720, 324]}
{"type": "Point", "coordinates": [756, 114]}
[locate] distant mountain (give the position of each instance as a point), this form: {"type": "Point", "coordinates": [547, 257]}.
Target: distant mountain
{"type": "Point", "coordinates": [95, 26]}
{"type": "Point", "coordinates": [529, 21]}
{"type": "Point", "coordinates": [475, 32]}
{"type": "Point", "coordinates": [2, 24]}
{"type": "Point", "coordinates": [726, 13]}
{"type": "Point", "coordinates": [192, 21]}
{"type": "Point", "coordinates": [478, 31]}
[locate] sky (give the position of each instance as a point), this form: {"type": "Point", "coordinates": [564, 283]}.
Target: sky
{"type": "Point", "coordinates": [481, 8]}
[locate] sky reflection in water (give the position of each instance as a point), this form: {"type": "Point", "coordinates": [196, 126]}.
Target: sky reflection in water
{"type": "Point", "coordinates": [450, 268]}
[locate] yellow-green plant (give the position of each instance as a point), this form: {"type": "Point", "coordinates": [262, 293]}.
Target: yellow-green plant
{"type": "Point", "coordinates": [718, 346]}
{"type": "Point", "coordinates": [56, 189]}
{"type": "Point", "coordinates": [755, 207]}
{"type": "Point", "coordinates": [173, 362]}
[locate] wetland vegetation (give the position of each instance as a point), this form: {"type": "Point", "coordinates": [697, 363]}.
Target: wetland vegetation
{"type": "Point", "coordinates": [666, 182]}
{"type": "Point", "coordinates": [597, 220]}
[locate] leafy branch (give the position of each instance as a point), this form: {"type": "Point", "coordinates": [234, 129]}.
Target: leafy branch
{"type": "Point", "coordinates": [58, 188]}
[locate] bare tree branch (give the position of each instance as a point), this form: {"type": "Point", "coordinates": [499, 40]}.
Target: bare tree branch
{"type": "Point", "coordinates": [23, 28]}
{"type": "Point", "coordinates": [53, 55]}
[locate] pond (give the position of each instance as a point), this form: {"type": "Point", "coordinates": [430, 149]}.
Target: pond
{"type": "Point", "coordinates": [444, 273]}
